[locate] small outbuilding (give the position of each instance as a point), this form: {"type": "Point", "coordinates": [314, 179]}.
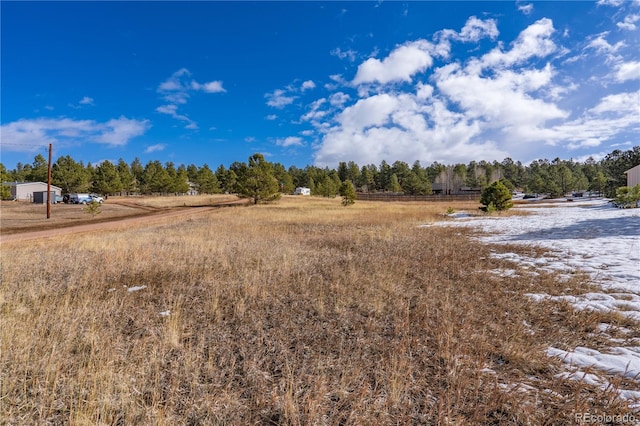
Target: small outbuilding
{"type": "Point", "coordinates": [24, 191]}
{"type": "Point", "coordinates": [633, 176]}
{"type": "Point", "coordinates": [302, 191]}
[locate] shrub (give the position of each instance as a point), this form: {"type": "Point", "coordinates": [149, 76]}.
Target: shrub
{"type": "Point", "coordinates": [93, 208]}
{"type": "Point", "coordinates": [628, 197]}
{"type": "Point", "coordinates": [498, 195]}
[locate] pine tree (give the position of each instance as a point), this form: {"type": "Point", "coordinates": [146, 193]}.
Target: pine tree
{"type": "Point", "coordinates": [496, 196]}
{"type": "Point", "coordinates": [348, 193]}
{"type": "Point", "coordinates": [259, 182]}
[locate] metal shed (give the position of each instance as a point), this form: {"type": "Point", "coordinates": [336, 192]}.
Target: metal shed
{"type": "Point", "coordinates": [40, 197]}
{"type": "Point", "coordinates": [633, 176]}
{"type": "Point", "coordinates": [23, 191]}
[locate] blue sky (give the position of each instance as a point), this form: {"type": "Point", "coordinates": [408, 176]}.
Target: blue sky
{"type": "Point", "coordinates": [319, 82]}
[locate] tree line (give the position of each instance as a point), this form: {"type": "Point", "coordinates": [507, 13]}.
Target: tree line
{"type": "Point", "coordinates": [556, 177]}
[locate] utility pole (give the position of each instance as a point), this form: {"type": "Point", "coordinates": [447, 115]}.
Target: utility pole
{"type": "Point", "coordinates": [49, 185]}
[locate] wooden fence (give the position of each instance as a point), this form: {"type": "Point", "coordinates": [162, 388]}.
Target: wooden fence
{"type": "Point", "coordinates": [381, 196]}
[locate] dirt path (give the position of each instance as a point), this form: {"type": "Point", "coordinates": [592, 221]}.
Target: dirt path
{"type": "Point", "coordinates": [151, 217]}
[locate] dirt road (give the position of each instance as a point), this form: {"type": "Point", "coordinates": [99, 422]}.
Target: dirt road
{"type": "Point", "coordinates": [149, 218]}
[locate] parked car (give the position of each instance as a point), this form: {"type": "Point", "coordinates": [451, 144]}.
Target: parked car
{"type": "Point", "coordinates": [96, 198]}
{"type": "Point", "coordinates": [58, 199]}
{"type": "Point", "coordinates": [79, 198]}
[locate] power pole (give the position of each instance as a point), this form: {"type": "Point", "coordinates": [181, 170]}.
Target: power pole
{"type": "Point", "coordinates": [49, 185]}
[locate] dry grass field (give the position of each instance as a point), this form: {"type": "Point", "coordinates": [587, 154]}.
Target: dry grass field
{"type": "Point", "coordinates": [301, 312]}
{"type": "Point", "coordinates": [23, 216]}
{"type": "Point", "coordinates": [16, 217]}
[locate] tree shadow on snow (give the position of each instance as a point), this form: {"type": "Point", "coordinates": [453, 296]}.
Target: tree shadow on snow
{"type": "Point", "coordinates": [626, 226]}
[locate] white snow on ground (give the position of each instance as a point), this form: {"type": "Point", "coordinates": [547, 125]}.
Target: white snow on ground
{"type": "Point", "coordinates": [592, 237]}
{"type": "Point", "coordinates": [136, 288]}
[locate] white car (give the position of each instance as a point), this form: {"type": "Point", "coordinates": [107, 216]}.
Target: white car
{"type": "Point", "coordinates": [96, 198]}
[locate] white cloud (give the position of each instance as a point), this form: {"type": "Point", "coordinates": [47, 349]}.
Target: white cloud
{"type": "Point", "coordinates": [86, 101]}
{"type": "Point", "coordinates": [309, 84]}
{"type": "Point", "coordinates": [23, 135]}
{"type": "Point", "coordinates": [174, 83]}
{"type": "Point", "coordinates": [279, 99]}
{"type": "Point", "coordinates": [600, 45]}
{"type": "Point", "coordinates": [210, 87]}
{"type": "Point", "coordinates": [502, 100]}
{"type": "Point", "coordinates": [475, 29]}
{"type": "Point", "coordinates": [120, 130]}
{"type": "Point", "coordinates": [83, 102]}
{"type": "Point", "coordinates": [344, 54]}
{"type": "Point", "coordinates": [401, 65]}
{"type": "Point", "coordinates": [167, 109]}
{"type": "Point", "coordinates": [628, 71]}
{"type": "Point", "coordinates": [424, 91]}
{"type": "Point", "coordinates": [315, 112]}
{"type": "Point", "coordinates": [525, 8]}
{"type": "Point", "coordinates": [155, 148]}
{"type": "Point", "coordinates": [614, 3]}
{"type": "Point", "coordinates": [271, 117]}
{"type": "Point", "coordinates": [494, 105]}
{"type": "Point", "coordinates": [619, 103]}
{"type": "Point", "coordinates": [177, 90]}
{"type": "Point", "coordinates": [629, 23]}
{"type": "Point", "coordinates": [290, 141]}
{"type": "Point", "coordinates": [338, 81]}
{"type": "Point", "coordinates": [338, 99]}
{"type": "Point", "coordinates": [172, 111]}
{"type": "Point", "coordinates": [534, 41]}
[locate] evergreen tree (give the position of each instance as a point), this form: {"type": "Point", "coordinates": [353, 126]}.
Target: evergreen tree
{"type": "Point", "coordinates": [106, 179]}
{"type": "Point", "coordinates": [192, 173]}
{"type": "Point", "coordinates": [394, 184]}
{"type": "Point", "coordinates": [367, 180]}
{"type": "Point", "coordinates": [137, 170]}
{"type": "Point", "coordinates": [615, 164]}
{"type": "Point", "coordinates": [259, 182]}
{"type": "Point", "coordinates": [126, 177]}
{"type": "Point", "coordinates": [39, 170]}
{"type": "Point", "coordinates": [285, 181]}
{"type": "Point", "coordinates": [5, 191]}
{"type": "Point", "coordinates": [155, 178]}
{"type": "Point", "coordinates": [348, 193]}
{"type": "Point", "coordinates": [181, 184]}
{"type": "Point", "coordinates": [69, 175]}
{"type": "Point", "coordinates": [496, 196]}
{"type": "Point", "coordinates": [207, 182]}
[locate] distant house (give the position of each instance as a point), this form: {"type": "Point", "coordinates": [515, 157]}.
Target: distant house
{"type": "Point", "coordinates": [193, 188]}
{"type": "Point", "coordinates": [23, 191]}
{"type": "Point", "coordinates": [302, 191]}
{"type": "Point", "coordinates": [633, 176]}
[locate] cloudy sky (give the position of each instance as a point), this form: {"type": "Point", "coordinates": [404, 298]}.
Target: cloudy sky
{"type": "Point", "coordinates": [319, 82]}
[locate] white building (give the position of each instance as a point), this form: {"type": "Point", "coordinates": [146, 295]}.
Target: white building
{"type": "Point", "coordinates": [633, 176]}
{"type": "Point", "coordinates": [302, 191]}
{"type": "Point", "coordinates": [23, 191]}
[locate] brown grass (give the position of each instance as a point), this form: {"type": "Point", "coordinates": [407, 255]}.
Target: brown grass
{"type": "Point", "coordinates": [17, 216]}
{"type": "Point", "coordinates": [300, 312]}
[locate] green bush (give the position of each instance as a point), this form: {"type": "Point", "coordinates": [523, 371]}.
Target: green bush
{"type": "Point", "coordinates": [93, 208]}
{"type": "Point", "coordinates": [496, 195]}
{"type": "Point", "coordinates": [627, 197]}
